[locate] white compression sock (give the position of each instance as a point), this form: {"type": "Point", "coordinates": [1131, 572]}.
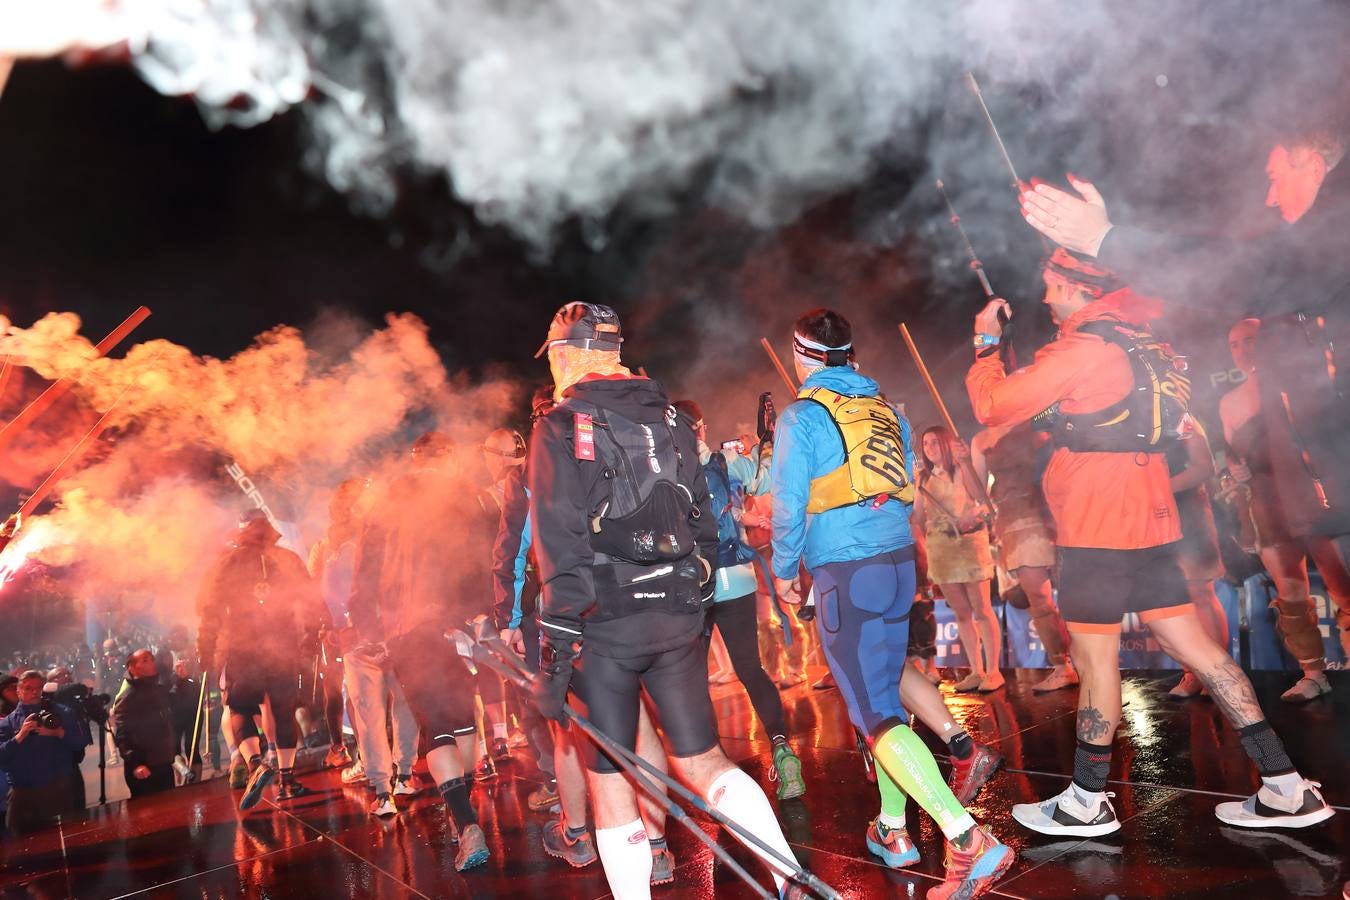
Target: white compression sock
{"type": "Point", "coordinates": [736, 795]}
{"type": "Point", "coordinates": [626, 855]}
{"type": "Point", "coordinates": [499, 730]}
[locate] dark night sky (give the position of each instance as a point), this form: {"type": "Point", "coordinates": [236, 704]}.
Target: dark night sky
{"type": "Point", "coordinates": [113, 196]}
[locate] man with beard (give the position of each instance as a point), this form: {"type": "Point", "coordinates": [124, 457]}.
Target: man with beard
{"type": "Point", "coordinates": [258, 607]}
{"type": "Point", "coordinates": [1113, 397]}
{"type": "Point", "coordinates": [407, 592]}
{"type": "Point", "coordinates": [1291, 277]}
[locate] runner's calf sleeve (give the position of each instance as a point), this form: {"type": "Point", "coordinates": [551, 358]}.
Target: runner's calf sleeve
{"type": "Point", "coordinates": [893, 800]}
{"type": "Point", "coordinates": [627, 858]}
{"type": "Point", "coordinates": [1266, 749]}
{"type": "Point", "coordinates": [1091, 766]}
{"type": "Point", "coordinates": [736, 795]}
{"type": "Point", "coordinates": [909, 763]}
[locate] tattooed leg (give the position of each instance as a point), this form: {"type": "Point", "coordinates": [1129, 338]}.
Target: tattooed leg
{"type": "Point", "coordinates": [1093, 726]}
{"type": "Point", "coordinates": [1097, 658]}
{"type": "Point", "coordinates": [1184, 639]}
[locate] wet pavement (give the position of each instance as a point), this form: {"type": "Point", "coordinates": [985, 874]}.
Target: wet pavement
{"type": "Point", "coordinates": [1173, 762]}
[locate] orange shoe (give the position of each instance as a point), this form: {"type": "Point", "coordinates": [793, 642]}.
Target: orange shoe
{"type": "Point", "coordinates": [973, 871]}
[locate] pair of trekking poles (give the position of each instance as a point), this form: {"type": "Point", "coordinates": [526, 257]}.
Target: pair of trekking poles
{"type": "Point", "coordinates": [490, 650]}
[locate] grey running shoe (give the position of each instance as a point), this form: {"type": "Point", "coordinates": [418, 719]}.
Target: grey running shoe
{"type": "Point", "coordinates": [576, 852]}
{"type": "Point", "coordinates": [663, 865]}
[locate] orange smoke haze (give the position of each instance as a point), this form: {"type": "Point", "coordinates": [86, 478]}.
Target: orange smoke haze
{"type": "Point", "coordinates": [151, 505]}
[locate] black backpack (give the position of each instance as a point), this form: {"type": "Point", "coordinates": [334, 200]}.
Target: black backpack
{"type": "Point", "coordinates": [647, 517]}
{"type": "Point", "coordinates": [1152, 417]}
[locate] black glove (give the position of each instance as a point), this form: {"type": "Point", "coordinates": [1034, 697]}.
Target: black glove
{"type": "Point", "coordinates": [766, 418]}
{"type": "Point", "coordinates": [555, 676]}
{"type": "Point", "coordinates": [806, 612]}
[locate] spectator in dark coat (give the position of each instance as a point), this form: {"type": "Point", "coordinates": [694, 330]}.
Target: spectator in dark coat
{"type": "Point", "coordinates": [142, 720]}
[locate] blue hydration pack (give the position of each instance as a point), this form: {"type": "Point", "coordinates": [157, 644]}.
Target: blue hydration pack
{"type": "Point", "coordinates": [727, 496]}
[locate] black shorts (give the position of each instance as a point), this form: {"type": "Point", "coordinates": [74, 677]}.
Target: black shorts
{"type": "Point", "coordinates": [247, 681]}
{"type": "Point", "coordinates": [1097, 588]}
{"type": "Point", "coordinates": [436, 683]}
{"type": "Point", "coordinates": [609, 690]}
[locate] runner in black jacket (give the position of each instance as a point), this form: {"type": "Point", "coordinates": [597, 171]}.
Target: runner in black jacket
{"type": "Point", "coordinates": [624, 625]}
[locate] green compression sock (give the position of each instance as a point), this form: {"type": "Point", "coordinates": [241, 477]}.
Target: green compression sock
{"type": "Point", "coordinates": [905, 758]}
{"type": "Point", "coordinates": [893, 800]}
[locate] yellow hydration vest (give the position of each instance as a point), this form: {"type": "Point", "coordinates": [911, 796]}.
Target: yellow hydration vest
{"type": "Point", "coordinates": [874, 453]}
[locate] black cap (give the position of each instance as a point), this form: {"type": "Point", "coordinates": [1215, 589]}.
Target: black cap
{"type": "Point", "coordinates": [588, 325]}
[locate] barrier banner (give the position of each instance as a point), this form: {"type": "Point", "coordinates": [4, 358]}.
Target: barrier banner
{"type": "Point", "coordinates": [1138, 649]}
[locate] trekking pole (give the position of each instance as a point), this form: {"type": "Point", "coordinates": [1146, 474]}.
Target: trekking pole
{"type": "Point", "coordinates": [1005, 348]}
{"type": "Point", "coordinates": [778, 364]}
{"type": "Point", "coordinates": [187, 773]}
{"type": "Point", "coordinates": [672, 808]}
{"type": "Point", "coordinates": [503, 655]}
{"type": "Point", "coordinates": [928, 380]}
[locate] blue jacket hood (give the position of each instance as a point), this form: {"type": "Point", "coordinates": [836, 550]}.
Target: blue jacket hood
{"type": "Point", "coordinates": [843, 380]}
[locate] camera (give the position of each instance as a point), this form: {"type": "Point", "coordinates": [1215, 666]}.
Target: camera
{"type": "Point", "coordinates": [87, 706]}
{"type": "Point", "coordinates": [47, 716]}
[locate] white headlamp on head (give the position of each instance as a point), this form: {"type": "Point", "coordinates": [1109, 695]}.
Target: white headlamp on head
{"type": "Point", "coordinates": [814, 355]}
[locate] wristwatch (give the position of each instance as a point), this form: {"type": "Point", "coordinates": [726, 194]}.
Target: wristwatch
{"type": "Point", "coordinates": [982, 340]}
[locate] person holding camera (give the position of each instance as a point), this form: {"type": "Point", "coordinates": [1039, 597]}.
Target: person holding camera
{"type": "Point", "coordinates": [142, 721]}
{"type": "Point", "coordinates": [36, 741]}
{"type": "Point", "coordinates": [87, 706]}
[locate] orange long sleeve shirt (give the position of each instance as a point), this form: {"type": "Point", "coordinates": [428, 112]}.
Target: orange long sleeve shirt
{"type": "Point", "coordinates": [1113, 501]}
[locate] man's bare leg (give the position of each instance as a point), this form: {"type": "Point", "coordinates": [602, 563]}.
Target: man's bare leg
{"type": "Point", "coordinates": [1285, 799]}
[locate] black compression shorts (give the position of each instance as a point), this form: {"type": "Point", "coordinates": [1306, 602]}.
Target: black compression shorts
{"type": "Point", "coordinates": [609, 690]}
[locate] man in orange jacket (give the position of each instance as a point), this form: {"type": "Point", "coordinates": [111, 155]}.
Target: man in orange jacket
{"type": "Point", "coordinates": [1113, 398]}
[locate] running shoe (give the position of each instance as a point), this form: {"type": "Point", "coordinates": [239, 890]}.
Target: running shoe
{"type": "Point", "coordinates": [1069, 813]}
{"type": "Point", "coordinates": [473, 848]}
{"type": "Point", "coordinates": [891, 844]}
{"type": "Point", "coordinates": [257, 782]}
{"type": "Point", "coordinates": [404, 787]}
{"type": "Point", "coordinates": [787, 770]}
{"type": "Point", "coordinates": [238, 775]}
{"type": "Point", "coordinates": [487, 769]}
{"type": "Point", "coordinates": [577, 852]}
{"type": "Point", "coordinates": [973, 871]}
{"type": "Point", "coordinates": [1268, 808]}
{"type": "Point", "coordinates": [1307, 688]}
{"type": "Point", "coordinates": [383, 807]}
{"type": "Point", "coordinates": [663, 865]}
{"type": "Point", "coordinates": [354, 773]}
{"type": "Point", "coordinates": [825, 683]}
{"type": "Point", "coordinates": [543, 797]}
{"type": "Point", "coordinates": [291, 788]}
{"type": "Point", "coordinates": [973, 772]}
{"type": "Point", "coordinates": [500, 751]}
{"type": "Point", "coordinates": [337, 758]}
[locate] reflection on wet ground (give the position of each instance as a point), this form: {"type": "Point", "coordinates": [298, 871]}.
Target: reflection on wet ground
{"type": "Point", "coordinates": [1173, 762]}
